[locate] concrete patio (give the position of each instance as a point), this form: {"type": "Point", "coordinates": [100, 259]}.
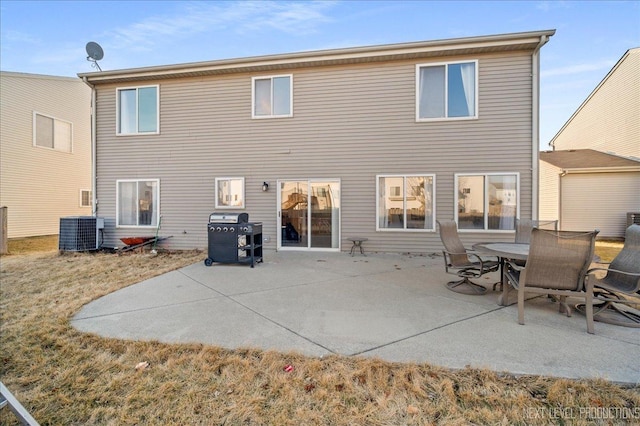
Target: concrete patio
{"type": "Point", "coordinates": [393, 307]}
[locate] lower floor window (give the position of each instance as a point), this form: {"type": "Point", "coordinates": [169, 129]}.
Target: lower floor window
{"type": "Point", "coordinates": [138, 202]}
{"type": "Point", "coordinates": [405, 202]}
{"type": "Point", "coordinates": [487, 201]}
{"type": "Point", "coordinates": [229, 193]}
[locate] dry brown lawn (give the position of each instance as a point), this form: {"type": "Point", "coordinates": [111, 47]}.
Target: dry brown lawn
{"type": "Point", "coordinates": [607, 249]}
{"type": "Point", "coordinates": [65, 377]}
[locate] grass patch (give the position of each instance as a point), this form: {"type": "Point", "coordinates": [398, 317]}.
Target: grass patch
{"type": "Point", "coordinates": [608, 250]}
{"type": "Point", "coordinates": [32, 244]}
{"type": "Point", "coordinates": [63, 376]}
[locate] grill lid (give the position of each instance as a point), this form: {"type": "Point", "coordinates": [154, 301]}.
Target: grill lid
{"type": "Point", "coordinates": [226, 217]}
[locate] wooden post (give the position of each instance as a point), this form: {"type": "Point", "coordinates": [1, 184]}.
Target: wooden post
{"type": "Point", "coordinates": [4, 248]}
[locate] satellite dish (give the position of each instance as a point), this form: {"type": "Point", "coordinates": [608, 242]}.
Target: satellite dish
{"type": "Point", "coordinates": [94, 53]}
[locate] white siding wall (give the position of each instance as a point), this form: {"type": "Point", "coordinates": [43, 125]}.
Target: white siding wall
{"type": "Point", "coordinates": [582, 206]}
{"type": "Point", "coordinates": [350, 122]}
{"type": "Point", "coordinates": [40, 185]}
{"type": "Point", "coordinates": [610, 120]}
{"type": "Point", "coordinates": [549, 200]}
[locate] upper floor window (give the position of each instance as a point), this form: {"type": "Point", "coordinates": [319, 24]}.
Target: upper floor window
{"type": "Point", "coordinates": [405, 202]}
{"type": "Point", "coordinates": [487, 201]}
{"type": "Point", "coordinates": [272, 96]}
{"type": "Point", "coordinates": [49, 132]}
{"type": "Point", "coordinates": [138, 110]}
{"type": "Point", "coordinates": [447, 91]}
{"type": "Point", "coordinates": [229, 193]}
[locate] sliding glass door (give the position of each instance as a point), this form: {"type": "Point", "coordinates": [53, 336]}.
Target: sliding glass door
{"type": "Point", "coordinates": [309, 214]}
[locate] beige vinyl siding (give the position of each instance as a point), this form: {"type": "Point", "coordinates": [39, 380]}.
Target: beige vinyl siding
{"type": "Point", "coordinates": [609, 120]}
{"type": "Point", "coordinates": [350, 122]}
{"type": "Point", "coordinates": [549, 199]}
{"type": "Point", "coordinates": [40, 185]}
{"type": "Point", "coordinates": [580, 211]}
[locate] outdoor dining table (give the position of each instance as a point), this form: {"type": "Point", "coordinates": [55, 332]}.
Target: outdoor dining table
{"type": "Point", "coordinates": [504, 251]}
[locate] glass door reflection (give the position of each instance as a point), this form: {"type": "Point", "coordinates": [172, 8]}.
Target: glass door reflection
{"type": "Point", "coordinates": [325, 214]}
{"type": "Point", "coordinates": [294, 213]}
{"type": "Point", "coordinates": [309, 214]}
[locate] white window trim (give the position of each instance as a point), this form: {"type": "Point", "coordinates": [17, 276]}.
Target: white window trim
{"type": "Point", "coordinates": [152, 226]}
{"type": "Point", "coordinates": [36, 113]}
{"type": "Point", "coordinates": [404, 203]}
{"type": "Point", "coordinates": [485, 195]}
{"type": "Point", "coordinates": [217, 206]}
{"type": "Point", "coordinates": [253, 96]}
{"type": "Point", "coordinates": [80, 199]}
{"type": "Point", "coordinates": [446, 83]}
{"type": "Point", "coordinates": [136, 133]}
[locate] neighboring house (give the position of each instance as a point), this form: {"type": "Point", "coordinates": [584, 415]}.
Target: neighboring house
{"type": "Point", "coordinates": [587, 189]}
{"type": "Point", "coordinates": [375, 142]}
{"type": "Point", "coordinates": [45, 151]}
{"type": "Point", "coordinates": [609, 119]}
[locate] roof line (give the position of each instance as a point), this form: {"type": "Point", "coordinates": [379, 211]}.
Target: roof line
{"type": "Point", "coordinates": [308, 57]}
{"type": "Point", "coordinates": [37, 76]}
{"type": "Point", "coordinates": [592, 94]}
{"type": "Point", "coordinates": [610, 169]}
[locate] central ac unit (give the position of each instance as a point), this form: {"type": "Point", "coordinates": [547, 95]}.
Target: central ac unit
{"type": "Point", "coordinates": [80, 233]}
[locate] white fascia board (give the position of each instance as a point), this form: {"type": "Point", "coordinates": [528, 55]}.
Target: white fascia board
{"type": "Point", "coordinates": [602, 170]}
{"type": "Point", "coordinates": [347, 55]}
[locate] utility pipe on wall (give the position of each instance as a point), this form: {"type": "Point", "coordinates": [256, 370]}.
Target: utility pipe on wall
{"type": "Point", "coordinates": [94, 201]}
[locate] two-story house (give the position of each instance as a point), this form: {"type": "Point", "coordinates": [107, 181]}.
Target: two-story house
{"type": "Point", "coordinates": [376, 142]}
{"type": "Point", "coordinates": [591, 179]}
{"type": "Point", "coordinates": [45, 151]}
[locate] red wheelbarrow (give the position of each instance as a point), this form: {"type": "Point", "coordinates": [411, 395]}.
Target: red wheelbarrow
{"type": "Point", "coordinates": [132, 243]}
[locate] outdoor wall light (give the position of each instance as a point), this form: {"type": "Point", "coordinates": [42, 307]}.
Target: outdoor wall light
{"type": "Point", "coordinates": [265, 186]}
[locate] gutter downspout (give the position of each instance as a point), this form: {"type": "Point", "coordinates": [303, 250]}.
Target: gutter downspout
{"type": "Point", "coordinates": [535, 127]}
{"type": "Point", "coordinates": [94, 201]}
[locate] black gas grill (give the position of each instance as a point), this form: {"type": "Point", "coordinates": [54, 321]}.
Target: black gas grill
{"type": "Point", "coordinates": [233, 239]}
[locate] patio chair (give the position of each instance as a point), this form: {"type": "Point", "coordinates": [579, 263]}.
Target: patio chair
{"type": "Point", "coordinates": [523, 231]}
{"type": "Point", "coordinates": [557, 265]}
{"type": "Point", "coordinates": [462, 262]}
{"type": "Point", "coordinates": [620, 287]}
{"type": "Point", "coordinates": [524, 227]}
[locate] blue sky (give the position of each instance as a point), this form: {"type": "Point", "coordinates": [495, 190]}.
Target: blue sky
{"type": "Point", "coordinates": [49, 37]}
